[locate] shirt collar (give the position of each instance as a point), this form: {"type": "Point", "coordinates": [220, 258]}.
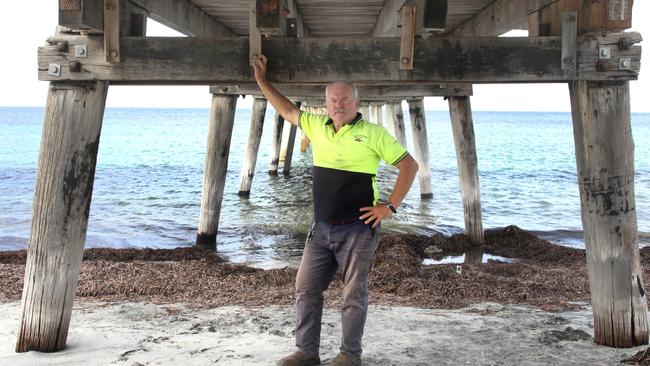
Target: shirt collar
{"type": "Point", "coordinates": [352, 123]}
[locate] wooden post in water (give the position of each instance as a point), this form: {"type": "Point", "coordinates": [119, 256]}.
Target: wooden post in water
{"type": "Point", "coordinates": [291, 141]}
{"type": "Point", "coordinates": [421, 145]}
{"type": "Point", "coordinates": [396, 115]}
{"type": "Point", "coordinates": [253, 146]}
{"type": "Point", "coordinates": [605, 162]}
{"type": "Point", "coordinates": [64, 185]}
{"type": "Point", "coordinates": [460, 111]}
{"type": "Point", "coordinates": [276, 141]}
{"type": "Point", "coordinates": [365, 111]}
{"type": "Point", "coordinates": [222, 118]}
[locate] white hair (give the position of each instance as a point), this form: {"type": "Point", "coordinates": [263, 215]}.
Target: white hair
{"type": "Point", "coordinates": [355, 92]}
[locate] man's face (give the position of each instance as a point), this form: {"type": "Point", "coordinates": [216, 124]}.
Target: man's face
{"type": "Point", "coordinates": [341, 105]}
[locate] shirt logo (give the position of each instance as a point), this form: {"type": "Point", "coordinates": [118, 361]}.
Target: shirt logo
{"type": "Point", "coordinates": [360, 138]}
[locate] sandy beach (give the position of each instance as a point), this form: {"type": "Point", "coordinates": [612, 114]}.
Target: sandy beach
{"type": "Point", "coordinates": [184, 306]}
{"type": "Point", "coordinates": [131, 333]}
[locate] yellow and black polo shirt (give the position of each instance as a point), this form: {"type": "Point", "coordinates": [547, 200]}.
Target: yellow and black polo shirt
{"type": "Point", "coordinates": [346, 163]}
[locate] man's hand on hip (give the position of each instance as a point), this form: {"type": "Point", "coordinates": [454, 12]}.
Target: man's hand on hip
{"type": "Point", "coordinates": [375, 213]}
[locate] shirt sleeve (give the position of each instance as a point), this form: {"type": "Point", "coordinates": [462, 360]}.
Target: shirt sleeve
{"type": "Point", "coordinates": [389, 150]}
{"type": "Point", "coordinates": [307, 121]}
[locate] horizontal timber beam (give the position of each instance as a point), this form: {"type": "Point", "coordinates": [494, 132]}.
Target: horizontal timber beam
{"type": "Point", "coordinates": [366, 92]}
{"type": "Point", "coordinates": [199, 60]}
{"type": "Point", "coordinates": [184, 17]}
{"type": "Point", "coordinates": [495, 19]}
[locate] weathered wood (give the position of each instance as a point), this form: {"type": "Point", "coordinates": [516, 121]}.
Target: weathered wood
{"type": "Point", "coordinates": [593, 16]}
{"type": "Point", "coordinates": [254, 35]}
{"type": "Point", "coordinates": [396, 116]}
{"type": "Point", "coordinates": [291, 141]}
{"type": "Point", "coordinates": [253, 146]}
{"type": "Point", "coordinates": [366, 92]}
{"type": "Point", "coordinates": [295, 19]}
{"type": "Point", "coordinates": [569, 41]}
{"type": "Point", "coordinates": [431, 15]}
{"type": "Point", "coordinates": [271, 17]}
{"type": "Point", "coordinates": [197, 60]}
{"type": "Point", "coordinates": [133, 20]}
{"type": "Point", "coordinates": [276, 141]}
{"type": "Point", "coordinates": [407, 43]}
{"type": "Point", "coordinates": [495, 19]}
{"type": "Point", "coordinates": [184, 17]}
{"type": "Point", "coordinates": [460, 112]}
{"type": "Point", "coordinates": [421, 145]}
{"type": "Point", "coordinates": [388, 20]}
{"type": "Point", "coordinates": [82, 14]}
{"type": "Point", "coordinates": [365, 111]}
{"type": "Point", "coordinates": [605, 163]}
{"type": "Point", "coordinates": [112, 30]}
{"type": "Point", "coordinates": [222, 117]}
{"type": "Point", "coordinates": [64, 185]}
{"type": "Point", "coordinates": [376, 115]}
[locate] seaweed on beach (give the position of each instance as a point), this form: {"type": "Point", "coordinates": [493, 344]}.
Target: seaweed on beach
{"type": "Point", "coordinates": [543, 274]}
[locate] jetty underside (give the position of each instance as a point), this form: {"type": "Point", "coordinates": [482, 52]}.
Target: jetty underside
{"type": "Point", "coordinates": [394, 51]}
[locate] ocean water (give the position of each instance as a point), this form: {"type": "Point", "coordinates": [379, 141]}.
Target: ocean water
{"type": "Point", "coordinates": [149, 175]}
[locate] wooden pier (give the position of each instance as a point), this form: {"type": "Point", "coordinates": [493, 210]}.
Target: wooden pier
{"type": "Point", "coordinates": [394, 50]}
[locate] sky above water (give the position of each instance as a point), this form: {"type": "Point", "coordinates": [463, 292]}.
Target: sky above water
{"type": "Point", "coordinates": [27, 25]}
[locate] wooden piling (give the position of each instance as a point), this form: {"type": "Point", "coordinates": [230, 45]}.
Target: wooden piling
{"type": "Point", "coordinates": [605, 163]}
{"type": "Point", "coordinates": [291, 140]}
{"type": "Point", "coordinates": [253, 147]}
{"type": "Point", "coordinates": [276, 143]}
{"type": "Point", "coordinates": [222, 118]}
{"type": "Point", "coordinates": [64, 184]}
{"type": "Point", "coordinates": [377, 115]}
{"type": "Point", "coordinates": [396, 116]}
{"type": "Point", "coordinates": [460, 111]}
{"type": "Point", "coordinates": [421, 145]}
{"type": "Point", "coordinates": [365, 112]}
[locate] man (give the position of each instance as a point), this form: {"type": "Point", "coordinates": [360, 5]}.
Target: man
{"type": "Point", "coordinates": [347, 215]}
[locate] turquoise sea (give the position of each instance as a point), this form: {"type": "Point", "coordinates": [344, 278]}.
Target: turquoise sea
{"type": "Point", "coordinates": [150, 169]}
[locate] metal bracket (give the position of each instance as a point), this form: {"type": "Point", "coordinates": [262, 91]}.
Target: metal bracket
{"type": "Point", "coordinates": [80, 50]}
{"type": "Point", "coordinates": [604, 52]}
{"type": "Point", "coordinates": [54, 70]}
{"type": "Point", "coordinates": [625, 63]}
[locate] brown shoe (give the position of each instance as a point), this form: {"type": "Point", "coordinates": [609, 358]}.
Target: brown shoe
{"type": "Point", "coordinates": [298, 358]}
{"type": "Point", "coordinates": [344, 359]}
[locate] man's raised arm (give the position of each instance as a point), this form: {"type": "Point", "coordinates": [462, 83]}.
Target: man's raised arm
{"type": "Point", "coordinates": [280, 103]}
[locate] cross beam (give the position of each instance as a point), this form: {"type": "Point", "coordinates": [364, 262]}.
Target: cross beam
{"type": "Point", "coordinates": [202, 60]}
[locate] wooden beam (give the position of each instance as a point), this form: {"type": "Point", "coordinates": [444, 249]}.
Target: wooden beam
{"type": "Point", "coordinates": [64, 185]}
{"type": "Point", "coordinates": [271, 17]}
{"type": "Point", "coordinates": [407, 44]}
{"type": "Point", "coordinates": [495, 19]}
{"type": "Point", "coordinates": [366, 92]}
{"type": "Point", "coordinates": [254, 34]}
{"type": "Point", "coordinates": [87, 15]}
{"type": "Point", "coordinates": [605, 161]}
{"type": "Point", "coordinates": [431, 15]}
{"type": "Point", "coordinates": [112, 30]}
{"type": "Point", "coordinates": [569, 41]}
{"type": "Point", "coordinates": [198, 60]}
{"type": "Point", "coordinates": [388, 20]}
{"type": "Point", "coordinates": [222, 117]}
{"type": "Point", "coordinates": [593, 16]}
{"type": "Point", "coordinates": [295, 24]}
{"type": "Point", "coordinates": [185, 17]}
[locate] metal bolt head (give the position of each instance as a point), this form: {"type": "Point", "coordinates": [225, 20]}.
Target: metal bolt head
{"type": "Point", "coordinates": [54, 70]}
{"type": "Point", "coordinates": [604, 52]}
{"type": "Point", "coordinates": [405, 60]}
{"type": "Point", "coordinates": [62, 46]}
{"type": "Point", "coordinates": [80, 50]}
{"type": "Point", "coordinates": [113, 53]}
{"type": "Point", "coordinates": [625, 63]}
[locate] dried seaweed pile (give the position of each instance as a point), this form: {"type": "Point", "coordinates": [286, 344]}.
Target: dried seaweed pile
{"type": "Point", "coordinates": [543, 275]}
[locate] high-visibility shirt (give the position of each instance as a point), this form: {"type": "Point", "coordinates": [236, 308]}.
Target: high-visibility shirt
{"type": "Point", "coordinates": [346, 163]}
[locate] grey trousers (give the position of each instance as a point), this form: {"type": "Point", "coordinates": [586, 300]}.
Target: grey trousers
{"type": "Point", "coordinates": [350, 248]}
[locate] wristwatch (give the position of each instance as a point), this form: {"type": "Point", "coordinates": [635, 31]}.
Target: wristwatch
{"type": "Point", "coordinates": [390, 206]}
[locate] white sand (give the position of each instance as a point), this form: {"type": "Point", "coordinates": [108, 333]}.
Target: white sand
{"type": "Point", "coordinates": [146, 334]}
